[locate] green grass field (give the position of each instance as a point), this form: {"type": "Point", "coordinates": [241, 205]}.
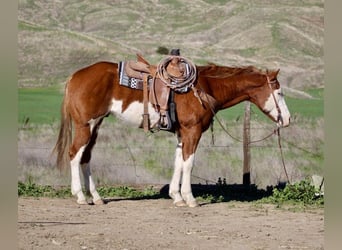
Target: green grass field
{"type": "Point", "coordinates": [42, 106]}
{"type": "Point", "coordinates": [39, 105]}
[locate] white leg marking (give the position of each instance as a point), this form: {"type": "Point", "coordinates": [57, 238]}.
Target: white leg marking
{"type": "Point", "coordinates": [176, 177]}
{"type": "Point", "coordinates": [90, 185]}
{"type": "Point", "coordinates": [186, 182]}
{"type": "Point", "coordinates": [76, 186]}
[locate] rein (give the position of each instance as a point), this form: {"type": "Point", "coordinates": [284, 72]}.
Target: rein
{"type": "Point", "coordinates": [275, 131]}
{"type": "Point", "coordinates": [239, 140]}
{"type": "Point", "coordinates": [282, 156]}
{"type": "Point", "coordinates": [279, 118]}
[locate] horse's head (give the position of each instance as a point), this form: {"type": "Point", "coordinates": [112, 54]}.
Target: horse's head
{"type": "Point", "coordinates": [270, 99]}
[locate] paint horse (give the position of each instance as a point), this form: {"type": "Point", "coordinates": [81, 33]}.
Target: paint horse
{"type": "Point", "coordinates": [94, 92]}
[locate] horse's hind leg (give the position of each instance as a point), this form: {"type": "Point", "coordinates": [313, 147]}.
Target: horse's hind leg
{"type": "Point", "coordinates": [90, 185]}
{"type": "Point", "coordinates": [88, 180]}
{"type": "Point", "coordinates": [77, 149]}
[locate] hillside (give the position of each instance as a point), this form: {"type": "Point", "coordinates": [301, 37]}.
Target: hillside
{"type": "Point", "coordinates": [56, 38]}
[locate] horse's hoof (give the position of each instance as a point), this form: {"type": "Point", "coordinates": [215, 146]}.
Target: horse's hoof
{"type": "Point", "coordinates": [99, 202]}
{"type": "Point", "coordinates": [82, 202]}
{"type": "Point", "coordinates": [180, 203]}
{"type": "Point", "coordinates": [193, 203]}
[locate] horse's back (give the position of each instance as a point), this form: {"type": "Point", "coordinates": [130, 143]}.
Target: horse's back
{"type": "Point", "coordinates": [93, 76]}
{"type": "Point", "coordinates": [98, 69]}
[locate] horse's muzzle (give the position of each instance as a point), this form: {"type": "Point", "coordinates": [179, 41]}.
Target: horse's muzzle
{"type": "Point", "coordinates": [283, 123]}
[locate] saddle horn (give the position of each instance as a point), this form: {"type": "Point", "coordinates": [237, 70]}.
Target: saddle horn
{"type": "Point", "coordinates": [141, 59]}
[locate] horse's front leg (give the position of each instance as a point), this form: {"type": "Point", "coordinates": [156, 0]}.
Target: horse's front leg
{"type": "Point", "coordinates": [184, 161]}
{"type": "Point", "coordinates": [176, 178]}
{"type": "Point", "coordinates": [186, 182]}
{"type": "Point", "coordinates": [190, 140]}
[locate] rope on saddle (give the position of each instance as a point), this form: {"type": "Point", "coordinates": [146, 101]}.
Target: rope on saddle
{"type": "Point", "coordinates": [178, 83]}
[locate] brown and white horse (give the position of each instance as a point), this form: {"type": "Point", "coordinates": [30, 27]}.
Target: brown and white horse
{"type": "Point", "coordinates": [94, 92]}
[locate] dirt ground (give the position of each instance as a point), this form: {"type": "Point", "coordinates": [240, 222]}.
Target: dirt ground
{"type": "Point", "coordinates": [45, 223]}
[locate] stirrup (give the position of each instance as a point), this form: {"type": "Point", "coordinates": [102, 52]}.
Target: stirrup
{"type": "Point", "coordinates": [166, 118]}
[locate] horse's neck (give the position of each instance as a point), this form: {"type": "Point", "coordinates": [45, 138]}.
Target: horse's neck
{"type": "Point", "coordinates": [233, 90]}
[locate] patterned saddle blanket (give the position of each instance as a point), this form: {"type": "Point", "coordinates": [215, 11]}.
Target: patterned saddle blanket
{"type": "Point", "coordinates": [134, 81]}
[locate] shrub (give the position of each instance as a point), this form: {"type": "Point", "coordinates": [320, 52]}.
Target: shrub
{"type": "Point", "coordinates": [301, 192]}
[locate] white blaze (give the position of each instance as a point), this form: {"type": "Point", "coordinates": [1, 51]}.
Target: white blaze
{"type": "Point", "coordinates": [271, 107]}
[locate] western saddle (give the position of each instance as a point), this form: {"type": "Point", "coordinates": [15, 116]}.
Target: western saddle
{"type": "Point", "coordinates": [173, 74]}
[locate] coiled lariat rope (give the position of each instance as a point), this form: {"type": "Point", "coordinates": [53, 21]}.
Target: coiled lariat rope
{"type": "Point", "coordinates": [177, 83]}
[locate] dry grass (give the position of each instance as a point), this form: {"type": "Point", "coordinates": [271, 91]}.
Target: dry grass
{"type": "Point", "coordinates": [57, 38]}
{"type": "Point", "coordinates": [126, 155]}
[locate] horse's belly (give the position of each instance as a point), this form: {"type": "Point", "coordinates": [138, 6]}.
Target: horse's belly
{"type": "Point", "coordinates": [133, 113]}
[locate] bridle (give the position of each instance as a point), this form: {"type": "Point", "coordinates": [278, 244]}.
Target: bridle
{"type": "Point", "coordinates": [279, 117]}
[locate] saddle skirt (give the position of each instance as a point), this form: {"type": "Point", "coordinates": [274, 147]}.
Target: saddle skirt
{"type": "Point", "coordinates": [132, 75]}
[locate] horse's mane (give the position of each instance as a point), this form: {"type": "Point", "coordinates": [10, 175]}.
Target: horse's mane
{"type": "Point", "coordinates": [217, 71]}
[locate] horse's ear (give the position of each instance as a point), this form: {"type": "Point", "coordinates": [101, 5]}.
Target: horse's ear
{"type": "Point", "coordinates": [273, 74]}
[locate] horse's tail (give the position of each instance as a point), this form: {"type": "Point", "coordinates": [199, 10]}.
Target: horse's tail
{"type": "Point", "coordinates": [65, 134]}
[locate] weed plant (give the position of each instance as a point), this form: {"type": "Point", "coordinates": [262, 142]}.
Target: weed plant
{"type": "Point", "coordinates": [301, 194]}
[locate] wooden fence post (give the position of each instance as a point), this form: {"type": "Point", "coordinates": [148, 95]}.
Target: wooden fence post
{"type": "Point", "coordinates": [246, 179]}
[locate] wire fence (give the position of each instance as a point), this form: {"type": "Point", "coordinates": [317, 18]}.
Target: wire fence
{"type": "Point", "coordinates": [123, 155]}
